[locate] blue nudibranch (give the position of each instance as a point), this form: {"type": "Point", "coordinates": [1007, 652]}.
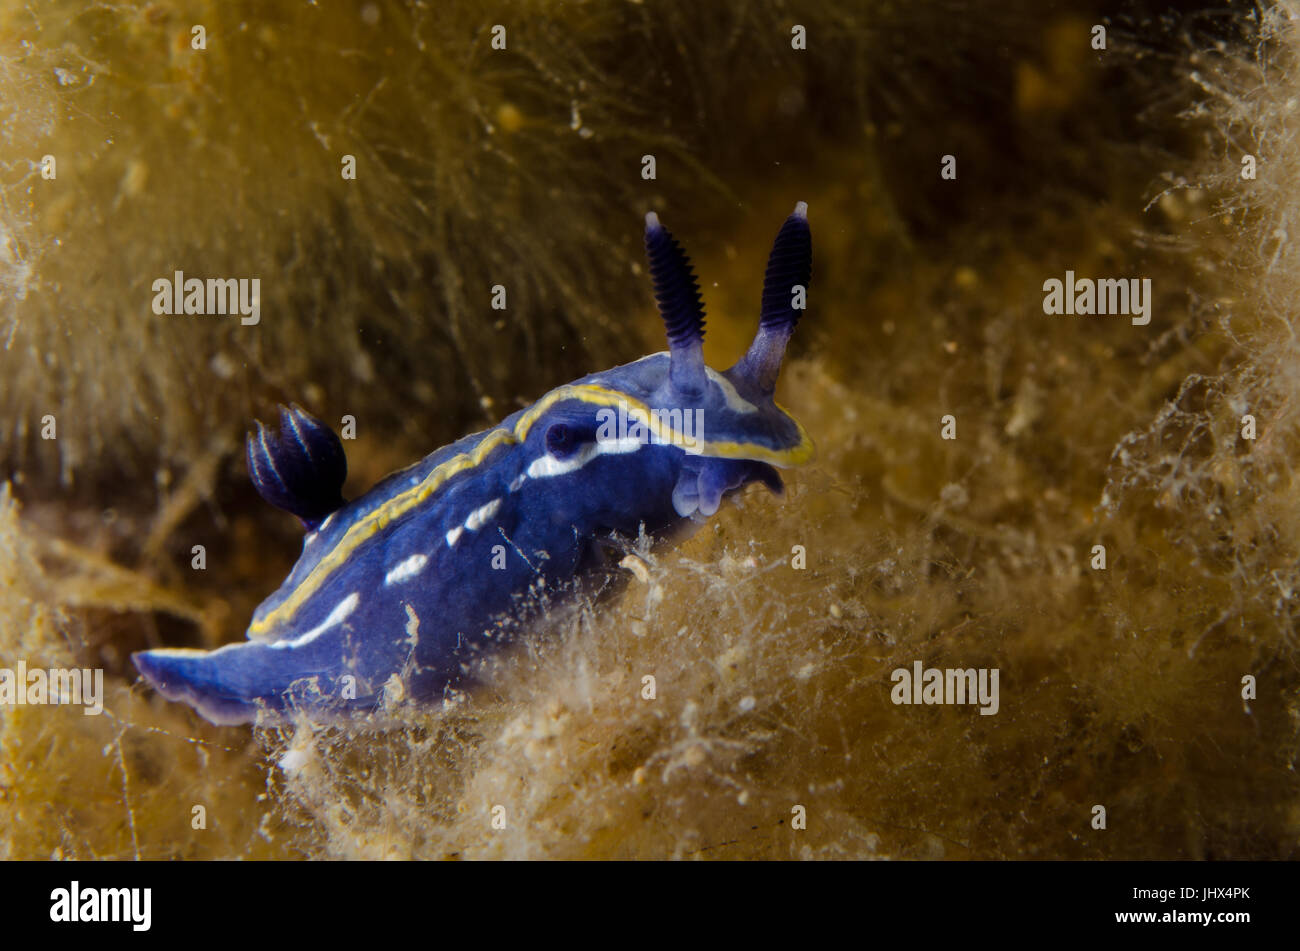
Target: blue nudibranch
{"type": "Point", "coordinates": [409, 579]}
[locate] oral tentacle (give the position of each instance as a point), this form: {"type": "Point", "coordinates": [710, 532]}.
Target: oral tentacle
{"type": "Point", "coordinates": [686, 493]}
{"type": "Point", "coordinates": [715, 480]}
{"type": "Point", "coordinates": [703, 485]}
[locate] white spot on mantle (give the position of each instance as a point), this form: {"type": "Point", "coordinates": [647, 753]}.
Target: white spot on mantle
{"type": "Point", "coordinates": [479, 517]}
{"type": "Point", "coordinates": [407, 568]}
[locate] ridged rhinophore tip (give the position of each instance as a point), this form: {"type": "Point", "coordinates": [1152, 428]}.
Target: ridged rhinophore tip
{"type": "Point", "coordinates": [678, 295]}
{"type": "Point", "coordinates": [785, 288]}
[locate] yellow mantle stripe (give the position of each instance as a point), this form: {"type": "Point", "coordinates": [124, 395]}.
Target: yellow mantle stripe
{"type": "Point", "coordinates": [376, 521]}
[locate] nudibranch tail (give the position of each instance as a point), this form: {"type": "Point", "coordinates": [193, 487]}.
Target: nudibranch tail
{"type": "Point", "coordinates": [785, 289]}
{"type": "Point", "coordinates": [225, 685]}
{"type": "Point", "coordinates": [680, 305]}
{"type": "Point", "coordinates": [319, 668]}
{"type": "Point", "coordinates": [302, 470]}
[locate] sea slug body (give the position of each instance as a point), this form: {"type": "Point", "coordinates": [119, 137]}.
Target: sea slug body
{"type": "Point", "coordinates": [411, 577]}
